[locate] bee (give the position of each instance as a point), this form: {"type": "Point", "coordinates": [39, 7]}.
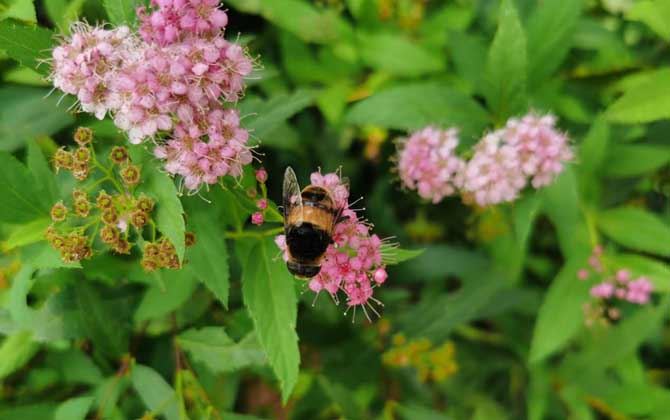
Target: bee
{"type": "Point", "coordinates": [310, 215]}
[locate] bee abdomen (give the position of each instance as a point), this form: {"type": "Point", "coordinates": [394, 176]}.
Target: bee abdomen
{"type": "Point", "coordinates": [307, 242]}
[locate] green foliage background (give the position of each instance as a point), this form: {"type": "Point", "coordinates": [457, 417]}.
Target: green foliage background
{"type": "Point", "coordinates": [339, 80]}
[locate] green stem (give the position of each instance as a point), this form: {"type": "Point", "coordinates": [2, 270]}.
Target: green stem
{"type": "Point", "coordinates": [249, 234]}
{"type": "Point", "coordinates": [107, 172]}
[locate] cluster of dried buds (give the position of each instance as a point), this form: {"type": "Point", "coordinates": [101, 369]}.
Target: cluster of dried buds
{"type": "Point", "coordinates": [112, 217]}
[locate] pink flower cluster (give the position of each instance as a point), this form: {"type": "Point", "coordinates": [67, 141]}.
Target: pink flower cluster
{"type": "Point", "coordinates": [620, 286]}
{"type": "Point", "coordinates": [527, 149]}
{"type": "Point", "coordinates": [428, 163]}
{"type": "Point", "coordinates": [353, 264]}
{"type": "Point", "coordinates": [165, 84]}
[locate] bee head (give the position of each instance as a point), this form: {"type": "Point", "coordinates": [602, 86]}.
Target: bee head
{"type": "Point", "coordinates": [302, 270]}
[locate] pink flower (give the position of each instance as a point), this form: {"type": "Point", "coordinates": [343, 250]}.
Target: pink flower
{"type": "Point", "coordinates": [639, 291]}
{"type": "Point", "coordinates": [427, 162]}
{"type": "Point", "coordinates": [583, 274]}
{"type": "Point", "coordinates": [603, 290]}
{"type": "Point", "coordinates": [262, 204]}
{"type": "Point", "coordinates": [353, 263]}
{"type": "Point", "coordinates": [167, 86]}
{"type": "Point", "coordinates": [623, 276]}
{"type": "Point", "coordinates": [542, 150]}
{"type": "Point", "coordinates": [493, 175]}
{"type": "Point", "coordinates": [261, 175]}
{"type": "Point", "coordinates": [257, 218]}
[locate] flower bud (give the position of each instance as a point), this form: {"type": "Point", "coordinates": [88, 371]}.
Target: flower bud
{"type": "Point", "coordinates": [83, 136]}
{"type": "Point", "coordinates": [109, 234]}
{"type": "Point", "coordinates": [82, 155]}
{"type": "Point", "coordinates": [63, 159]}
{"type": "Point", "coordinates": [104, 201]}
{"type": "Point", "coordinates": [189, 239]}
{"type": "Point", "coordinates": [149, 265]}
{"type": "Point", "coordinates": [110, 216]}
{"type": "Point", "coordinates": [261, 175]}
{"type": "Point", "coordinates": [145, 204]}
{"type": "Point", "coordinates": [262, 204]}
{"type": "Point", "coordinates": [257, 218]}
{"type": "Point", "coordinates": [58, 212]}
{"type": "Point", "coordinates": [139, 219]}
{"type": "Point", "coordinates": [80, 170]}
{"type": "Point", "coordinates": [122, 246]}
{"type": "Point", "coordinates": [119, 155]}
{"type": "Point", "coordinates": [151, 250]}
{"type": "Point", "coordinates": [78, 194]}
{"type": "Point", "coordinates": [130, 174]}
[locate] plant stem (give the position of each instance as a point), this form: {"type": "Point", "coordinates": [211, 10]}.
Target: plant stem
{"type": "Point", "coordinates": [250, 234]}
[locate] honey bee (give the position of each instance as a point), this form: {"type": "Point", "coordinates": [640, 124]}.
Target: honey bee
{"type": "Point", "coordinates": [310, 216]}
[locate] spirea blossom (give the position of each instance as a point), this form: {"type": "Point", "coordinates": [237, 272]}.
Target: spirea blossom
{"type": "Point", "coordinates": [167, 83]}
{"type": "Point", "coordinates": [427, 162]}
{"type": "Point", "coordinates": [612, 287]}
{"type": "Point", "coordinates": [353, 264]}
{"type": "Point", "coordinates": [527, 150]}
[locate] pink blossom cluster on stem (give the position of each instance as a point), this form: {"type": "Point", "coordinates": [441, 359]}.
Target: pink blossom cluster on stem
{"type": "Point", "coordinates": [527, 150]}
{"type": "Point", "coordinates": [173, 83]}
{"type": "Point", "coordinates": [353, 263]}
{"type": "Point", "coordinates": [621, 285]}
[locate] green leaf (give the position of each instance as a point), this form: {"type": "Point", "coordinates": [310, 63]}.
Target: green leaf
{"type": "Point", "coordinates": [29, 113]}
{"type": "Point", "coordinates": [504, 82]}
{"type": "Point", "coordinates": [28, 45]}
{"type": "Point", "coordinates": [101, 324]}
{"type": "Point", "coordinates": [23, 10]}
{"type": "Point", "coordinates": [398, 55]}
{"type": "Point", "coordinates": [74, 409]}
{"type": "Point", "coordinates": [169, 213]}
{"type": "Point", "coordinates": [121, 12]}
{"type": "Point", "coordinates": [653, 13]}
{"type": "Point", "coordinates": [26, 234]}
{"type": "Point", "coordinates": [551, 29]}
{"type": "Point", "coordinates": [648, 101]}
{"type": "Point", "coordinates": [15, 352]}
{"type": "Point", "coordinates": [414, 411]}
{"type": "Point", "coordinates": [157, 395]}
{"type": "Point", "coordinates": [560, 317]}
{"type": "Point", "coordinates": [639, 265]}
{"type": "Point", "coordinates": [20, 201]}
{"type": "Point", "coordinates": [213, 347]}
{"type": "Point", "coordinates": [593, 150]}
{"type": "Point", "coordinates": [42, 175]}
{"type": "Point", "coordinates": [32, 411]}
{"type": "Point", "coordinates": [392, 254]}
{"type": "Point", "coordinates": [637, 229]}
{"type": "Point", "coordinates": [298, 17]}
{"type": "Point", "coordinates": [629, 160]}
{"type": "Point", "coordinates": [417, 105]}
{"type": "Point", "coordinates": [170, 293]}
{"type": "Point", "coordinates": [342, 397]}
{"type": "Point", "coordinates": [209, 255]}
{"type": "Point", "coordinates": [269, 115]}
{"type": "Point", "coordinates": [269, 295]}
{"type": "Point", "coordinates": [43, 255]}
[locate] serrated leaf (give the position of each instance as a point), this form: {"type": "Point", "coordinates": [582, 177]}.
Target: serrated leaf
{"type": "Point", "coordinates": [504, 82]}
{"type": "Point", "coordinates": [209, 255]}
{"type": "Point", "coordinates": [121, 12]}
{"type": "Point", "coordinates": [268, 115]}
{"type": "Point", "coordinates": [628, 160]}
{"type": "Point", "coordinates": [551, 29]}
{"type": "Point", "coordinates": [16, 350]}
{"type": "Point", "coordinates": [157, 395]}
{"type": "Point", "coordinates": [637, 229]}
{"type": "Point", "coordinates": [213, 347]}
{"type": "Point", "coordinates": [169, 213]}
{"type": "Point", "coordinates": [417, 105]}
{"type": "Point", "coordinates": [109, 337]}
{"type": "Point", "coordinates": [646, 102]}
{"type": "Point", "coordinates": [171, 290]}
{"type": "Point", "coordinates": [74, 409]}
{"type": "Point", "coordinates": [42, 175]}
{"type": "Point", "coordinates": [20, 198]}
{"type": "Point", "coordinates": [399, 55]}
{"type": "Point", "coordinates": [269, 295]}
{"type": "Point", "coordinates": [26, 44]}
{"type": "Point", "coordinates": [560, 317]}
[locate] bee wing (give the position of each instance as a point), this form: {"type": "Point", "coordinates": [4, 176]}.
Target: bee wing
{"type": "Point", "coordinates": [292, 197]}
